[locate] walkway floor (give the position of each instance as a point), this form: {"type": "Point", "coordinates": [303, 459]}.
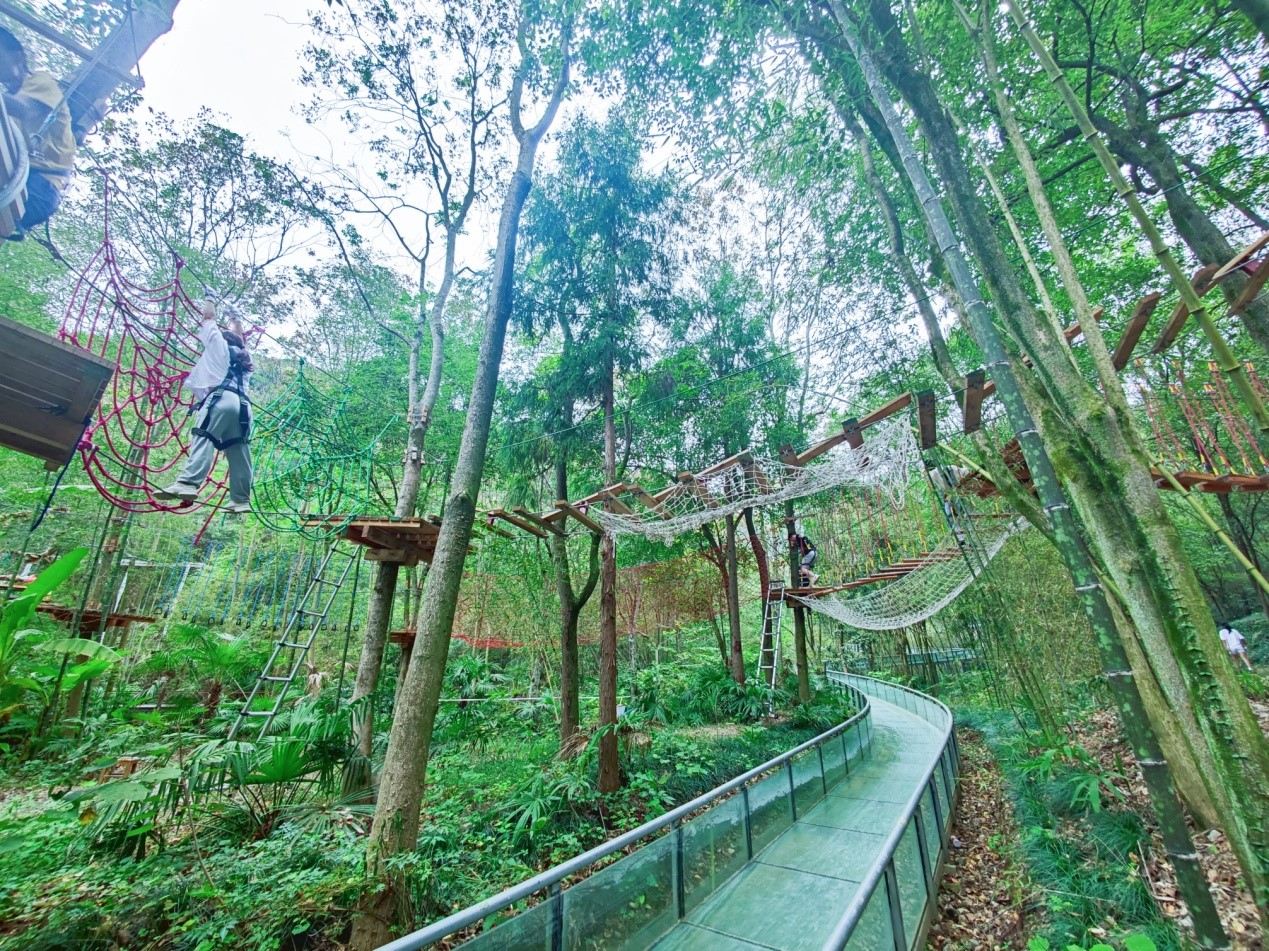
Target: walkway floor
{"type": "Point", "coordinates": [793, 893]}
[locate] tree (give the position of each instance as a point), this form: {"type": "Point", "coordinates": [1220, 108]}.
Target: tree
{"type": "Point", "coordinates": [431, 77]}
{"type": "Point", "coordinates": [396, 821]}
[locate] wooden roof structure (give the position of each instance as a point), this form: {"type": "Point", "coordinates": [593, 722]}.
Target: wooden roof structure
{"type": "Point", "coordinates": [49, 392]}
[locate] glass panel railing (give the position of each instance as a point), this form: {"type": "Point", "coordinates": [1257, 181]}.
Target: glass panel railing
{"type": "Point", "coordinates": [713, 850]}
{"type": "Point", "coordinates": [910, 875]}
{"type": "Point", "coordinates": [933, 833]}
{"type": "Point", "coordinates": [770, 809]}
{"type": "Point", "coordinates": [874, 932]}
{"type": "Point", "coordinates": [530, 930]}
{"type": "Point", "coordinates": [629, 904]}
{"type": "Point", "coordinates": [808, 781]}
{"type": "Point", "coordinates": [835, 765]}
{"type": "Point", "coordinates": [854, 739]}
{"type": "Point", "coordinates": [940, 779]}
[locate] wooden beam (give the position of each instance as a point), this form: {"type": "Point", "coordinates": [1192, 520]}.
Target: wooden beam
{"type": "Point", "coordinates": [926, 422]}
{"type": "Point", "coordinates": [640, 493]}
{"type": "Point", "coordinates": [972, 402]}
{"type": "Point", "coordinates": [1252, 289]}
{"type": "Point", "coordinates": [615, 504]}
{"type": "Point", "coordinates": [1241, 258]}
{"type": "Point", "coordinates": [569, 508]}
{"type": "Point", "coordinates": [537, 520]}
{"type": "Point", "coordinates": [1202, 283]}
{"type": "Point", "coordinates": [1135, 328]}
{"type": "Point", "coordinates": [790, 457]}
{"type": "Point", "coordinates": [489, 526]}
{"type": "Point", "coordinates": [518, 522]}
{"type": "Point", "coordinates": [720, 466]}
{"type": "Point", "coordinates": [885, 412]}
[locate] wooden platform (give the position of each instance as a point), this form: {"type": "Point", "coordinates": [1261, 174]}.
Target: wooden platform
{"type": "Point", "coordinates": [90, 621]}
{"type": "Point", "coordinates": [11, 149]}
{"type": "Point", "coordinates": [401, 541]}
{"type": "Point", "coordinates": [49, 392]}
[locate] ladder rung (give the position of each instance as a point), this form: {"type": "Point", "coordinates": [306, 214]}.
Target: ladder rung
{"type": "Point", "coordinates": [257, 713]}
{"type": "Point", "coordinates": [276, 679]}
{"type": "Point", "coordinates": [290, 644]}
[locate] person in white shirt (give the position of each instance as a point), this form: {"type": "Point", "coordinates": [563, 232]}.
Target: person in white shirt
{"type": "Point", "coordinates": [219, 382]}
{"type": "Point", "coordinates": [1236, 644]}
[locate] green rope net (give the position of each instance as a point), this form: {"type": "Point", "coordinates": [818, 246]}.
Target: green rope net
{"type": "Point", "coordinates": [307, 479]}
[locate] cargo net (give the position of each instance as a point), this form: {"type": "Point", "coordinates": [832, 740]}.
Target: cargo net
{"type": "Point", "coordinates": [883, 462]}
{"type": "Point", "coordinates": [911, 591]}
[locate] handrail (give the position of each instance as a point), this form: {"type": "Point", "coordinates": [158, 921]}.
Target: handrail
{"type": "Point", "coordinates": [878, 870]}
{"type": "Point", "coordinates": [552, 877]}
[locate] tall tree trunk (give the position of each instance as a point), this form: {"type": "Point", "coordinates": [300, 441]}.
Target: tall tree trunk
{"type": "Point", "coordinates": [571, 604]}
{"type": "Point", "coordinates": [801, 663]}
{"type": "Point", "coordinates": [609, 768]}
{"type": "Point", "coordinates": [379, 609]}
{"type": "Point", "coordinates": [736, 660]}
{"type": "Point", "coordinates": [396, 822]}
{"type": "Point", "coordinates": [1089, 590]}
{"type": "Point", "coordinates": [759, 552]}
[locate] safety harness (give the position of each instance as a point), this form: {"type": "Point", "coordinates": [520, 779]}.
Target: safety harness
{"type": "Point", "coordinates": [234, 382]}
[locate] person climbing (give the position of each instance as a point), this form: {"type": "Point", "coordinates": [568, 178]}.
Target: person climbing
{"type": "Point", "coordinates": [809, 554]}
{"type": "Point", "coordinates": [219, 382]}
{"type": "Point", "coordinates": [1235, 644]}
{"type": "Point", "coordinates": [35, 103]}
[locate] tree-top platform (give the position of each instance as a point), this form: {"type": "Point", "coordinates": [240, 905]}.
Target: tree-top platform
{"type": "Point", "coordinates": [401, 541]}
{"type": "Point", "coordinates": [49, 391]}
{"type": "Point", "coordinates": [90, 619]}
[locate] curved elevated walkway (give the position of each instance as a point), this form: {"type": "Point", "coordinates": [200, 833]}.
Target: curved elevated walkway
{"type": "Point", "coordinates": [837, 843]}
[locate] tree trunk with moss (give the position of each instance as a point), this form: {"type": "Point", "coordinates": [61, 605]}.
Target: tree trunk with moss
{"type": "Point", "coordinates": [1088, 588]}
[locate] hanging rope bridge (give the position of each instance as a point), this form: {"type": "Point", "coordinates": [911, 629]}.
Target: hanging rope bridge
{"type": "Point", "coordinates": [748, 481]}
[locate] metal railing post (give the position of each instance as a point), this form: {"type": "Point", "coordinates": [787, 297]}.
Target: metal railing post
{"type": "Point", "coordinates": [896, 911]}
{"type": "Point", "coordinates": [557, 916]}
{"type": "Point", "coordinates": [680, 898]}
{"type": "Point", "coordinates": [793, 792]}
{"type": "Point", "coordinates": [744, 792]}
{"type": "Point", "coordinates": [823, 776]}
{"type": "Point", "coordinates": [927, 862]}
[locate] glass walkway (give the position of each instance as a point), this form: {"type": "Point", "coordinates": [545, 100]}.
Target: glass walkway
{"type": "Point", "coordinates": [837, 843]}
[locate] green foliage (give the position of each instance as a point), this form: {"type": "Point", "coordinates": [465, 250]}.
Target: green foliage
{"type": "Point", "coordinates": [1081, 845]}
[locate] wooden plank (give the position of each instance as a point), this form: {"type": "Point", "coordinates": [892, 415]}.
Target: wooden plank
{"type": "Point", "coordinates": [48, 392]}
{"type": "Point", "coordinates": [720, 466]}
{"type": "Point", "coordinates": [536, 520]}
{"type": "Point", "coordinates": [491, 527]}
{"type": "Point", "coordinates": [1241, 258]}
{"type": "Point", "coordinates": [1202, 283]}
{"type": "Point", "coordinates": [972, 402]}
{"type": "Point", "coordinates": [1254, 285]}
{"type": "Point", "coordinates": [885, 412]}
{"type": "Point", "coordinates": [790, 457]}
{"type": "Point", "coordinates": [518, 522]}
{"type": "Point", "coordinates": [570, 509]}
{"type": "Point", "coordinates": [853, 432]}
{"type": "Point", "coordinates": [615, 504]}
{"type": "Point", "coordinates": [640, 493]}
{"type": "Point", "coordinates": [1135, 328]}
{"type": "Point", "coordinates": [927, 424]}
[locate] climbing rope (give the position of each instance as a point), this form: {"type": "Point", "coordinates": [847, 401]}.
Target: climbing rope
{"type": "Point", "coordinates": [139, 435]}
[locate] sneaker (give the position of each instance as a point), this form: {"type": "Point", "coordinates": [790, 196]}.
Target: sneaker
{"type": "Point", "coordinates": [178, 490]}
{"type": "Point", "coordinates": [238, 508]}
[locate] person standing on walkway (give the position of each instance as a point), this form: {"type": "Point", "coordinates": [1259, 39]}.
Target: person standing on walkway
{"type": "Point", "coordinates": [1236, 644]}
{"type": "Point", "coordinates": [219, 382]}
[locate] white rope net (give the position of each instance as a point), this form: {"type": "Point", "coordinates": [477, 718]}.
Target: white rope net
{"type": "Point", "coordinates": [883, 461]}
{"type": "Point", "coordinates": [926, 590]}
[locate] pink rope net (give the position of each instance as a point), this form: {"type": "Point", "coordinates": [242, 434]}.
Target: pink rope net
{"type": "Point", "coordinates": [138, 440]}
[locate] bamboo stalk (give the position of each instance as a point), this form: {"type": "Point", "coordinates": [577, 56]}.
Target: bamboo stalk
{"type": "Point", "coordinates": [1115, 663]}
{"type": "Point", "coordinates": [1229, 364]}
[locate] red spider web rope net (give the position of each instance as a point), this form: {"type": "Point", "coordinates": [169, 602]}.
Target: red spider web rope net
{"type": "Point", "coordinates": [138, 440]}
